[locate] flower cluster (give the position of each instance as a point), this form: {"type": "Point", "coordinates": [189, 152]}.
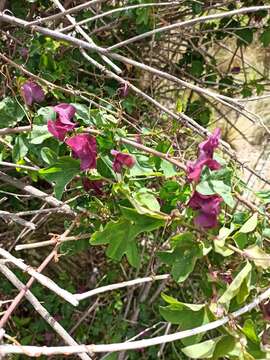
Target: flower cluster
{"type": "Point", "coordinates": [208, 206]}
{"type": "Point", "coordinates": [83, 146]}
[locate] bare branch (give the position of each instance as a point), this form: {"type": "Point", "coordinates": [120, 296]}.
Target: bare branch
{"type": "Point", "coordinates": [68, 350]}
{"type": "Point", "coordinates": [244, 10]}
{"type": "Point", "coordinates": [41, 309]}
{"type": "Point", "coordinates": [44, 280]}
{"type": "Point", "coordinates": [111, 287]}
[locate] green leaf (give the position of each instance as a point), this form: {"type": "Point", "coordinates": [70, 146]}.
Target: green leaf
{"type": "Point", "coordinates": [167, 168]}
{"type": "Point", "coordinates": [186, 251]}
{"type": "Point", "coordinates": [260, 258]}
{"type": "Point", "coordinates": [211, 187]}
{"type": "Point", "coordinates": [44, 114]}
{"type": "Point", "coordinates": [224, 346]}
{"type": "Point", "coordinates": [61, 172]}
{"type": "Point", "coordinates": [219, 242]}
{"type": "Point", "coordinates": [203, 350]}
{"type": "Point", "coordinates": [265, 38]}
{"type": "Point", "coordinates": [250, 225]}
{"type": "Point", "coordinates": [266, 232]}
{"type": "Point", "coordinates": [235, 286]}
{"type": "Point", "coordinates": [39, 134]}
{"type": "Point", "coordinates": [245, 35]}
{"type": "Point", "coordinates": [20, 148]}
{"type": "Point", "coordinates": [187, 316]}
{"type": "Point", "coordinates": [241, 240]}
{"type": "Point", "coordinates": [11, 112]}
{"type": "Point", "coordinates": [120, 235]}
{"type": "Point", "coordinates": [250, 332]}
{"type": "Point", "coordinates": [48, 155]}
{"type": "Point", "coordinates": [147, 199]}
{"type": "Point", "coordinates": [264, 195]}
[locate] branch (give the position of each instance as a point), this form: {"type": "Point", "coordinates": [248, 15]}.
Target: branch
{"type": "Point", "coordinates": [133, 345]}
{"type": "Point", "coordinates": [86, 36]}
{"type": "Point", "coordinates": [186, 23]}
{"type": "Point", "coordinates": [17, 219]}
{"type": "Point", "coordinates": [16, 130]}
{"type": "Point", "coordinates": [41, 309]}
{"type": "Point", "coordinates": [36, 193]}
{"type": "Point", "coordinates": [111, 287]}
{"type": "Point", "coordinates": [44, 280]}
{"type": "Point", "coordinates": [30, 282]}
{"type": "Point", "coordinates": [54, 241]}
{"type": "Point", "coordinates": [69, 11]}
{"type": "Point", "coordinates": [110, 12]}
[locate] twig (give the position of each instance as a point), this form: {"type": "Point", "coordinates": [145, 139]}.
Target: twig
{"type": "Point", "coordinates": [111, 287]}
{"type": "Point", "coordinates": [244, 10]}
{"type": "Point", "coordinates": [110, 12]}
{"type": "Point", "coordinates": [51, 242]}
{"type": "Point", "coordinates": [44, 280]}
{"type": "Point", "coordinates": [68, 350]}
{"type": "Point", "coordinates": [17, 219]}
{"type": "Point", "coordinates": [26, 167]}
{"type": "Point", "coordinates": [86, 36]}
{"type": "Point", "coordinates": [41, 309]}
{"type": "Point", "coordinates": [16, 130]}
{"type": "Point", "coordinates": [36, 193]}
{"type": "Point", "coordinates": [69, 11]}
{"type": "Point", "coordinates": [30, 282]}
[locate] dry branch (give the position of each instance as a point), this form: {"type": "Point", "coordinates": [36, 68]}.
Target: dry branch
{"type": "Point", "coordinates": [44, 280]}
{"type": "Point", "coordinates": [41, 309]}
{"type": "Point", "coordinates": [133, 345]}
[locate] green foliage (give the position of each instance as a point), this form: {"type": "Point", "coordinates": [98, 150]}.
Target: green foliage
{"type": "Point", "coordinates": [120, 235]}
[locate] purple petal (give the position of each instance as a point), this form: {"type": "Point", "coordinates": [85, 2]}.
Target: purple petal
{"type": "Point", "coordinates": [121, 160]}
{"type": "Point", "coordinates": [58, 130]}
{"type": "Point", "coordinates": [65, 112]}
{"type": "Point", "coordinates": [84, 148]}
{"type": "Point", "coordinates": [208, 146]}
{"type": "Point", "coordinates": [32, 92]}
{"type": "Point", "coordinates": [194, 169]}
{"type": "Point", "coordinates": [205, 221]}
{"type": "Point", "coordinates": [95, 185]}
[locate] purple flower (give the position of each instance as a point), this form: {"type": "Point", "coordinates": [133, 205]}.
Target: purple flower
{"type": "Point", "coordinates": [194, 169]}
{"type": "Point", "coordinates": [235, 70]}
{"type": "Point", "coordinates": [24, 52]}
{"type": "Point", "coordinates": [95, 185]}
{"type": "Point", "coordinates": [208, 146]}
{"type": "Point", "coordinates": [121, 160]}
{"type": "Point", "coordinates": [84, 148]}
{"type": "Point", "coordinates": [208, 207]}
{"type": "Point", "coordinates": [63, 123]}
{"type": "Point", "coordinates": [206, 152]}
{"type": "Point", "coordinates": [123, 90]}
{"type": "Point", "coordinates": [32, 92]}
{"type": "Point", "coordinates": [65, 113]}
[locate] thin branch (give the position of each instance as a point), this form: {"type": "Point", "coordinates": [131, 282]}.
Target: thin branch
{"type": "Point", "coordinates": [44, 280]}
{"type": "Point", "coordinates": [66, 12]}
{"type": "Point", "coordinates": [26, 167]}
{"type": "Point", "coordinates": [16, 130]}
{"type": "Point", "coordinates": [41, 309]}
{"type": "Point", "coordinates": [85, 35]}
{"type": "Point", "coordinates": [113, 11]}
{"type": "Point", "coordinates": [17, 219]}
{"type": "Point", "coordinates": [30, 282]}
{"type": "Point", "coordinates": [190, 22]}
{"type": "Point", "coordinates": [133, 345]}
{"type": "Point", "coordinates": [35, 192]}
{"type": "Point", "coordinates": [111, 287]}
{"type": "Point", "coordinates": [56, 240]}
